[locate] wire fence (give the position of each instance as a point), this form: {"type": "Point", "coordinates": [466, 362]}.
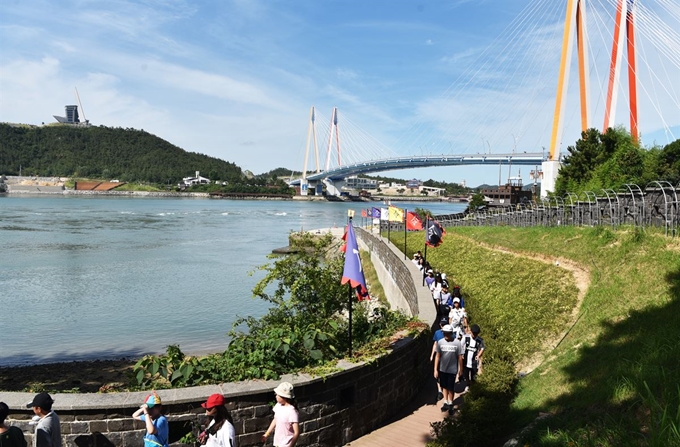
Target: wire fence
{"type": "Point", "coordinates": [656, 205]}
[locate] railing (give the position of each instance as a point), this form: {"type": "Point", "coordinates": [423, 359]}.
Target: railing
{"type": "Point", "coordinates": [655, 206]}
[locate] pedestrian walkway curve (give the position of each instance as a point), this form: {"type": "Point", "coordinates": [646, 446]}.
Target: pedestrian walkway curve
{"type": "Point", "coordinates": [411, 426]}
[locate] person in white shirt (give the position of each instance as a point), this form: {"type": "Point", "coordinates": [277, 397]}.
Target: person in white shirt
{"type": "Point", "coordinates": [220, 431]}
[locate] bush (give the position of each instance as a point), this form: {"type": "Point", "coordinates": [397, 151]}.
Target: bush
{"type": "Point", "coordinates": [304, 327]}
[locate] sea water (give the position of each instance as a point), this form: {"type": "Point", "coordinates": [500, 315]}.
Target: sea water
{"type": "Point", "coordinates": [107, 277]}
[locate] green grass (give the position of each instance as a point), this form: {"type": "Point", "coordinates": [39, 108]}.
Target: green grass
{"type": "Point", "coordinates": [373, 284]}
{"type": "Point", "coordinates": [613, 380]}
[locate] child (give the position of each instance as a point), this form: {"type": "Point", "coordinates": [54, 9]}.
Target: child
{"type": "Point", "coordinates": [9, 436]}
{"type": "Point", "coordinates": [48, 431]}
{"type": "Point", "coordinates": [220, 431]}
{"type": "Point", "coordinates": [285, 425]}
{"type": "Point", "coordinates": [157, 429]}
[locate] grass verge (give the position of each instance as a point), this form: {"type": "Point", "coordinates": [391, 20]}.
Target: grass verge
{"type": "Point", "coordinates": [613, 379]}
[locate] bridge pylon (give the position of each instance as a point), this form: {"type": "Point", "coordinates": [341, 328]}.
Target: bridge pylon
{"type": "Point", "coordinates": [575, 21]}
{"type": "Point", "coordinates": [311, 133]}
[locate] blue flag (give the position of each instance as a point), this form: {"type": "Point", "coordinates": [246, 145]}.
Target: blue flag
{"type": "Point", "coordinates": [375, 213]}
{"type": "Point", "coordinates": [353, 273]}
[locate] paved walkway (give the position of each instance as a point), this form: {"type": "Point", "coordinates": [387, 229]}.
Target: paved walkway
{"type": "Point", "coordinates": [411, 426]}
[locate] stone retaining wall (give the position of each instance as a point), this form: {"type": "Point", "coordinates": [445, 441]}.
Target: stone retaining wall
{"type": "Point", "coordinates": [395, 277]}
{"type": "Point", "coordinates": [333, 410]}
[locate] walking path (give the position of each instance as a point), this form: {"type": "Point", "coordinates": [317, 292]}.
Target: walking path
{"type": "Point", "coordinates": [412, 425]}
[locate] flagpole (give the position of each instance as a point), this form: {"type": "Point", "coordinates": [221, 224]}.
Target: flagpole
{"type": "Point", "coordinates": [427, 225]}
{"type": "Point", "coordinates": [389, 225]}
{"type": "Point", "coordinates": [350, 319]}
{"type": "Point", "coordinates": [405, 217]}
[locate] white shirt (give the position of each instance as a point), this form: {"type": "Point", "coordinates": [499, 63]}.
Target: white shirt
{"type": "Point", "coordinates": [225, 436]}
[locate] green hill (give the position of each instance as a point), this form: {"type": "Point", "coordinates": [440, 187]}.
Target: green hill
{"type": "Point", "coordinates": [104, 152]}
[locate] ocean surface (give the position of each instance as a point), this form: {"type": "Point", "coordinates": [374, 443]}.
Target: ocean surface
{"type": "Point", "coordinates": [109, 277]}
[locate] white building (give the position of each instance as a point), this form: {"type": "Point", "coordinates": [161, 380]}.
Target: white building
{"type": "Point", "coordinates": [197, 180]}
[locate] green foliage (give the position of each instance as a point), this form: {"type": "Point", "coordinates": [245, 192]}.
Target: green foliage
{"type": "Point", "coordinates": [476, 202]}
{"type": "Point", "coordinates": [304, 328]}
{"type": "Point", "coordinates": [608, 161]}
{"type": "Point", "coordinates": [423, 214]}
{"type": "Point", "coordinates": [104, 152]}
{"type": "Point", "coordinates": [174, 369]}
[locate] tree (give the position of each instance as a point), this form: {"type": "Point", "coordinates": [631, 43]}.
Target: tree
{"type": "Point", "coordinates": [477, 201]}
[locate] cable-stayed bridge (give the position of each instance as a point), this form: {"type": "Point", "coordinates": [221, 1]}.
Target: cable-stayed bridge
{"type": "Point", "coordinates": [513, 97]}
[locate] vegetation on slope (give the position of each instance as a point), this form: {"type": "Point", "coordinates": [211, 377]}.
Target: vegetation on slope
{"type": "Point", "coordinates": [609, 160]}
{"type": "Point", "coordinates": [613, 380]}
{"type": "Point", "coordinates": [519, 304]}
{"type": "Point", "coordinates": [103, 152]}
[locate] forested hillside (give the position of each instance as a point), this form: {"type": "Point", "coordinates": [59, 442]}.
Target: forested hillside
{"type": "Point", "coordinates": [102, 152]}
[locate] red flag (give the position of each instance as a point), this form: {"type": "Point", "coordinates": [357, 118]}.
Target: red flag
{"type": "Point", "coordinates": [413, 222]}
{"type": "Point", "coordinates": [344, 238]}
{"type": "Point", "coordinates": [363, 213]}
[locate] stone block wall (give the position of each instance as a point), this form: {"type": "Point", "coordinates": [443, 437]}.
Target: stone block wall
{"type": "Point", "coordinates": [333, 410]}
{"type": "Point", "coordinates": [394, 266]}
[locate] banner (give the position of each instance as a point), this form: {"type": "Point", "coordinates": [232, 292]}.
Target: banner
{"type": "Point", "coordinates": [413, 222]}
{"type": "Point", "coordinates": [435, 233]}
{"type": "Point", "coordinates": [395, 214]}
{"type": "Point", "coordinates": [363, 213]}
{"type": "Point", "coordinates": [353, 273]}
{"type": "Point", "coordinates": [375, 213]}
{"type": "Point", "coordinates": [384, 214]}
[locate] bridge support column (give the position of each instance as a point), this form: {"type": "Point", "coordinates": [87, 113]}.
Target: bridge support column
{"type": "Point", "coordinates": [334, 187]}
{"type": "Point", "coordinates": [550, 170]}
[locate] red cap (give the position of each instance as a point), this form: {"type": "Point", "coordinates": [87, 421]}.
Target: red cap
{"type": "Point", "coordinates": [215, 400]}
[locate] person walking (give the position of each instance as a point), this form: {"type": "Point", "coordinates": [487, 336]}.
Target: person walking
{"type": "Point", "coordinates": [448, 364]}
{"type": "Point", "coordinates": [48, 430]}
{"type": "Point", "coordinates": [438, 335]}
{"type": "Point", "coordinates": [458, 316]}
{"type": "Point", "coordinates": [286, 422]}
{"type": "Point", "coordinates": [157, 429]}
{"type": "Point", "coordinates": [220, 431]}
{"type": "Point", "coordinates": [474, 347]}
{"type": "Point", "coordinates": [9, 436]}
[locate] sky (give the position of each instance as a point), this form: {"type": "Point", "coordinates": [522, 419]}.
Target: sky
{"type": "Point", "coordinates": [235, 79]}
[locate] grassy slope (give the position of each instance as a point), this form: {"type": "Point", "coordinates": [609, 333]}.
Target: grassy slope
{"type": "Point", "coordinates": [618, 369]}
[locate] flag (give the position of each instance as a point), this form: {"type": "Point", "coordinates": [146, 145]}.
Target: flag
{"type": "Point", "coordinates": [395, 214]}
{"type": "Point", "coordinates": [375, 213]}
{"type": "Point", "coordinates": [435, 233]}
{"type": "Point", "coordinates": [413, 221]}
{"type": "Point", "coordinates": [353, 273]}
{"type": "Point", "coordinates": [344, 238]}
{"type": "Point", "coordinates": [384, 214]}
{"type": "Point", "coordinates": [363, 213]}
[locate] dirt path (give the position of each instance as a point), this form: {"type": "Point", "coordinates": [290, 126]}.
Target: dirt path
{"type": "Point", "coordinates": [581, 278]}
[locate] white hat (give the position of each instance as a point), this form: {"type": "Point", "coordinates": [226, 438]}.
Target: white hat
{"type": "Point", "coordinates": [285, 389]}
{"type": "Point", "coordinates": [456, 300]}
{"type": "Point", "coordinates": [448, 328]}
{"type": "Point", "coordinates": [443, 275]}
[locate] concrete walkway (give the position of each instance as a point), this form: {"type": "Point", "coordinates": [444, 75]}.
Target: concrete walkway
{"type": "Point", "coordinates": [411, 426]}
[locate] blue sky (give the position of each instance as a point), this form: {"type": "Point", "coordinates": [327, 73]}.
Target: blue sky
{"type": "Point", "coordinates": [235, 79]}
